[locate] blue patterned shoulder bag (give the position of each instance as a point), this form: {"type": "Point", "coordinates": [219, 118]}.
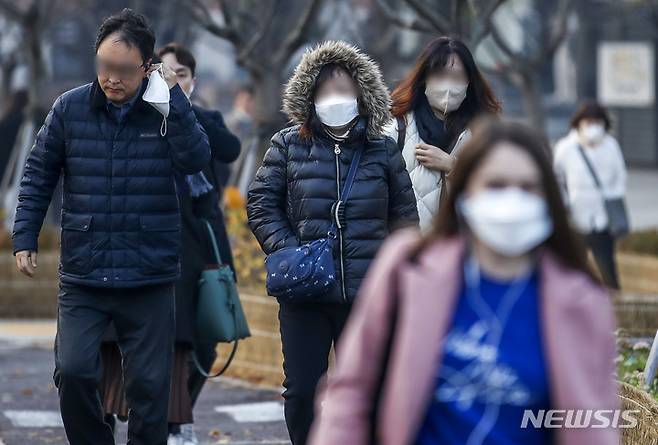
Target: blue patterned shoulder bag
{"type": "Point", "coordinates": [305, 272]}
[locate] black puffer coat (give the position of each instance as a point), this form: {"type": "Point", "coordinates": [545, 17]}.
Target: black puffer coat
{"type": "Point", "coordinates": [291, 197]}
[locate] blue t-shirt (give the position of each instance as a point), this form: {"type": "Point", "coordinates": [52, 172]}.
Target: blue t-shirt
{"type": "Point", "coordinates": [482, 387]}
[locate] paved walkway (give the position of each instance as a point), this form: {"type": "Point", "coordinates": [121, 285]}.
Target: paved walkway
{"type": "Point", "coordinates": [642, 198]}
{"type": "Point", "coordinates": [228, 411]}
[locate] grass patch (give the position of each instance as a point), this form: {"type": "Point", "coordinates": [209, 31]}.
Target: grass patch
{"type": "Point", "coordinates": [644, 242]}
{"type": "Point", "coordinates": [632, 360]}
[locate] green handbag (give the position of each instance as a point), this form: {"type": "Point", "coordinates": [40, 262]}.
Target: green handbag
{"type": "Point", "coordinates": [219, 316]}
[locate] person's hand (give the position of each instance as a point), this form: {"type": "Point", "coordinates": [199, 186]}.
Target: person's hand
{"type": "Point", "coordinates": [26, 261]}
{"type": "Point", "coordinates": [168, 74]}
{"type": "Point", "coordinates": [434, 158]}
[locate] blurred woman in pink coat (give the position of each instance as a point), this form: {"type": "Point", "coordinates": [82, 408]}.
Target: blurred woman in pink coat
{"type": "Point", "coordinates": [472, 333]}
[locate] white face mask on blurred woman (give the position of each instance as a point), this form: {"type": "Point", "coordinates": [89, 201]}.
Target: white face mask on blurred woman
{"type": "Point", "coordinates": [592, 133]}
{"type": "Point", "coordinates": [509, 220]}
{"type": "Point", "coordinates": [337, 110]}
{"type": "Point", "coordinates": [446, 95]}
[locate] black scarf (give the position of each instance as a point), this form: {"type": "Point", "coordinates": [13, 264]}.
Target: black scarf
{"type": "Point", "coordinates": [431, 129]}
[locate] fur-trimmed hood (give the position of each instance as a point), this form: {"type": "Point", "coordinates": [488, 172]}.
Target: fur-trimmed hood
{"type": "Point", "coordinates": [375, 98]}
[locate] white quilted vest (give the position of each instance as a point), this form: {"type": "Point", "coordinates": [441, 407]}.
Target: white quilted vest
{"type": "Point", "coordinates": [427, 183]}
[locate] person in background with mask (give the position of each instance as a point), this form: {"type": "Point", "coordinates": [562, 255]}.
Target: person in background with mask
{"type": "Point", "coordinates": [119, 156]}
{"type": "Point", "coordinates": [493, 312]}
{"type": "Point", "coordinates": [199, 196]}
{"type": "Point", "coordinates": [433, 107]}
{"type": "Point", "coordinates": [339, 104]}
{"type": "Point", "coordinates": [590, 137]}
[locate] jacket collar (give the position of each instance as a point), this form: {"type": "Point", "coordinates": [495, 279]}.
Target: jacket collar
{"type": "Point", "coordinates": [98, 100]}
{"type": "Point", "coordinates": [358, 133]}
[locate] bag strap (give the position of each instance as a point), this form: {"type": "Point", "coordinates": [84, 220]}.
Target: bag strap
{"type": "Point", "coordinates": [213, 240]}
{"type": "Point", "coordinates": [349, 181]}
{"type": "Point", "coordinates": [347, 188]}
{"type": "Point", "coordinates": [590, 167]}
{"type": "Point", "coordinates": [201, 371]}
{"type": "Point", "coordinates": [402, 131]}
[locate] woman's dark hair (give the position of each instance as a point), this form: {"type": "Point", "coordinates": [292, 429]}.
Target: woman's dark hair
{"type": "Point", "coordinates": [487, 133]}
{"type": "Point", "coordinates": [312, 124]}
{"type": "Point", "coordinates": [132, 28]}
{"type": "Point", "coordinates": [182, 54]}
{"type": "Point", "coordinates": [480, 99]}
{"type": "Point", "coordinates": [591, 110]}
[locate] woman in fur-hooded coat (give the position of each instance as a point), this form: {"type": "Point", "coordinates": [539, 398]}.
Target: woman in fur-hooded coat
{"type": "Point", "coordinates": [291, 200]}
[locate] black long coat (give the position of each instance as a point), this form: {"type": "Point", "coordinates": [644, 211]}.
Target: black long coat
{"type": "Point", "coordinates": [196, 250]}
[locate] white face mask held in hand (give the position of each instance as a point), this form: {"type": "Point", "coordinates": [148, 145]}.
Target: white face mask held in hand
{"type": "Point", "coordinates": [593, 133]}
{"type": "Point", "coordinates": [157, 94]}
{"type": "Point", "coordinates": [510, 221]}
{"type": "Point", "coordinates": [445, 95]}
{"type": "Point", "coordinates": [337, 111]}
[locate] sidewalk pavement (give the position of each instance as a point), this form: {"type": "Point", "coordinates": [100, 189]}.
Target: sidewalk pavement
{"type": "Point", "coordinates": [642, 198]}
{"type": "Point", "coordinates": [228, 411]}
{"type": "Point", "coordinates": [22, 333]}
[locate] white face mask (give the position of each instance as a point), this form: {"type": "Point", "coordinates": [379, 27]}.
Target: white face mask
{"type": "Point", "coordinates": [593, 133]}
{"type": "Point", "coordinates": [446, 95]}
{"type": "Point", "coordinates": [157, 94]}
{"type": "Point", "coordinates": [337, 111]}
{"type": "Point", "coordinates": [510, 221]}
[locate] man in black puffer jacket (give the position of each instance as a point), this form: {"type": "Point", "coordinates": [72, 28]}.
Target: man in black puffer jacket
{"type": "Point", "coordinates": [120, 228]}
{"type": "Point", "coordinates": [291, 200]}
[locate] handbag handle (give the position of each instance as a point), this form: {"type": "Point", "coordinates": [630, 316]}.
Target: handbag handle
{"type": "Point", "coordinates": [200, 369]}
{"type": "Point", "coordinates": [213, 240]}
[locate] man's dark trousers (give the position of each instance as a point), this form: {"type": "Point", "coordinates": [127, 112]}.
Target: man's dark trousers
{"type": "Point", "coordinates": [144, 321]}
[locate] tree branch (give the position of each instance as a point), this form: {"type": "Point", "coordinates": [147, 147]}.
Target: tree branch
{"type": "Point", "coordinates": [500, 42]}
{"type": "Point", "coordinates": [299, 34]}
{"type": "Point", "coordinates": [483, 26]}
{"type": "Point", "coordinates": [556, 38]}
{"type": "Point", "coordinates": [10, 9]}
{"type": "Point", "coordinates": [394, 17]}
{"type": "Point", "coordinates": [438, 22]}
{"type": "Point", "coordinates": [229, 20]}
{"type": "Point", "coordinates": [245, 52]}
{"type": "Point", "coordinates": [201, 15]}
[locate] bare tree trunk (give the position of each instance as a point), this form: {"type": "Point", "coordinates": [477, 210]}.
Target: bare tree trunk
{"type": "Point", "coordinates": [533, 103]}
{"type": "Point", "coordinates": [36, 66]}
{"type": "Point", "coordinates": [268, 118]}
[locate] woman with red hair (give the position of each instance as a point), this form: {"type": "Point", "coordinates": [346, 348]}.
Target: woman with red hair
{"type": "Point", "coordinates": [433, 107]}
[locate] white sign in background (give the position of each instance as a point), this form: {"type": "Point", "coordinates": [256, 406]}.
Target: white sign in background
{"type": "Point", "coordinates": [626, 74]}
